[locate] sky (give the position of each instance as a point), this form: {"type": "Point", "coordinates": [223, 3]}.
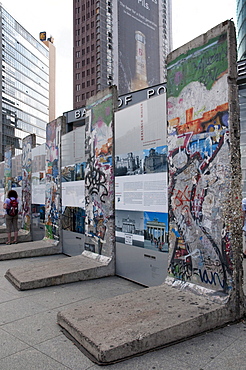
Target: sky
{"type": "Point", "coordinates": [190, 19]}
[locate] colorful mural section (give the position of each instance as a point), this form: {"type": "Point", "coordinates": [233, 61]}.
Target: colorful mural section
{"type": "Point", "coordinates": [52, 190]}
{"type": "Point", "coordinates": [199, 166]}
{"type": "Point", "coordinates": [7, 169]}
{"type": "Point", "coordinates": [29, 142]}
{"type": "Point", "coordinates": [99, 176]}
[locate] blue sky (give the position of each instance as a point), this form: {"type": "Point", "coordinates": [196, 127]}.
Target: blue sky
{"type": "Point", "coordinates": [190, 19]}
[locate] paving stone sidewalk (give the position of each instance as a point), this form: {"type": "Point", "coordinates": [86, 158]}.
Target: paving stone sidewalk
{"type": "Point", "coordinates": [31, 339]}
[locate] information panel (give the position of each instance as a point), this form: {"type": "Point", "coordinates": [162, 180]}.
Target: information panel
{"type": "Point", "coordinates": [141, 186]}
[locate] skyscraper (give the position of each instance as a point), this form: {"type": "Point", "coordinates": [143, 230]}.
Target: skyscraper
{"type": "Point", "coordinates": [119, 42]}
{"type": "Point", "coordinates": [24, 103]}
{"type": "Point", "coordinates": [241, 29]}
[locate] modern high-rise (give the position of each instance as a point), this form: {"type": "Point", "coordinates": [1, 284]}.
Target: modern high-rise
{"type": "Point", "coordinates": [124, 43]}
{"type": "Point", "coordinates": [24, 103]}
{"type": "Point", "coordinates": [241, 29]}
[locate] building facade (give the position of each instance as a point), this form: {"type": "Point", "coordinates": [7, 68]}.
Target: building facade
{"type": "Point", "coordinates": [119, 42]}
{"type": "Point", "coordinates": [241, 29]}
{"type": "Point", "coordinates": [24, 103]}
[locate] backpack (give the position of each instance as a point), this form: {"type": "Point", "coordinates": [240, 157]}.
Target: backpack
{"type": "Point", "coordinates": [12, 209]}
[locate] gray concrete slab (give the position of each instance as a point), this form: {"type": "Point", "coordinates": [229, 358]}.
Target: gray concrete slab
{"type": "Point", "coordinates": [22, 347]}
{"type": "Point", "coordinates": [135, 323]}
{"type": "Point", "coordinates": [63, 271]}
{"type": "Point", "coordinates": [29, 249]}
{"type": "Point", "coordinates": [23, 236]}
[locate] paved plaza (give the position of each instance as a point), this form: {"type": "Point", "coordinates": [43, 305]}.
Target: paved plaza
{"type": "Point", "coordinates": [31, 339]}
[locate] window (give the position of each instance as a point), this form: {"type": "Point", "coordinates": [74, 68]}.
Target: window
{"type": "Point", "coordinates": [78, 87]}
{"type": "Point", "coordinates": [77, 43]}
{"type": "Point", "coordinates": [92, 58]}
{"type": "Point", "coordinates": [83, 63]}
{"type": "Point", "coordinates": [92, 24]}
{"type": "Point", "coordinates": [77, 65]}
{"type": "Point", "coordinates": [77, 54]}
{"type": "Point", "coordinates": [83, 96]}
{"type": "Point", "coordinates": [93, 81]}
{"type": "Point", "coordinates": [92, 47]}
{"type": "Point", "coordinates": [88, 49]}
{"type": "Point", "coordinates": [83, 40]}
{"type": "Point", "coordinates": [92, 92]}
{"type": "Point", "coordinates": [83, 51]}
{"type": "Point", "coordinates": [77, 98]}
{"type": "Point", "coordinates": [87, 95]}
{"type": "Point", "coordinates": [77, 21]}
{"type": "Point", "coordinates": [92, 36]}
{"type": "Point", "coordinates": [92, 70]}
{"type": "Point", "coordinates": [88, 83]}
{"type": "Point", "coordinates": [83, 85]}
{"type": "Point", "coordinates": [88, 61]}
{"type": "Point", "coordinates": [87, 38]}
{"type": "Point", "coordinates": [88, 72]}
{"type": "Point", "coordinates": [77, 76]}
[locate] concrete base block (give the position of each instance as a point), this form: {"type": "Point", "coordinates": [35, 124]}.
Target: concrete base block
{"type": "Point", "coordinates": [29, 249]}
{"type": "Point", "coordinates": [138, 322]}
{"type": "Point", "coordinates": [56, 272]}
{"type": "Point", "coordinates": [23, 236]}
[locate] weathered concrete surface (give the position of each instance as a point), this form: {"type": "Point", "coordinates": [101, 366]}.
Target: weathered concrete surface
{"type": "Point", "coordinates": [38, 248]}
{"type": "Point", "coordinates": [23, 236]}
{"type": "Point", "coordinates": [137, 322]}
{"type": "Point", "coordinates": [67, 270]}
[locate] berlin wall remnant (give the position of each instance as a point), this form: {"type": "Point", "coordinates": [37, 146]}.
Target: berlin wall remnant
{"type": "Point", "coordinates": [99, 174]}
{"type": "Point", "coordinates": [29, 142]}
{"type": "Point", "coordinates": [52, 191]}
{"type": "Point", "coordinates": [205, 230]}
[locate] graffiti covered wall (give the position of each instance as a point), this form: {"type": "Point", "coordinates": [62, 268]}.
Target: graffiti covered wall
{"type": "Point", "coordinates": [199, 162]}
{"type": "Point", "coordinates": [99, 176]}
{"type": "Point", "coordinates": [52, 191]}
{"type": "Point", "coordinates": [29, 142]}
{"type": "Point", "coordinates": [7, 169]}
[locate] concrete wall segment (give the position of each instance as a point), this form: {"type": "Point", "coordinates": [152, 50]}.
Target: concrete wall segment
{"type": "Point", "coordinates": [204, 163]}
{"type": "Point", "coordinates": [99, 174]}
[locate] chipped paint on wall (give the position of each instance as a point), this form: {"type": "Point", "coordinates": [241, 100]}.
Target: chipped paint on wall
{"type": "Point", "coordinates": [28, 143]}
{"type": "Point", "coordinates": [52, 191]}
{"type": "Point", "coordinates": [7, 169]}
{"type": "Point", "coordinates": [99, 181]}
{"type": "Point", "coordinates": [199, 167]}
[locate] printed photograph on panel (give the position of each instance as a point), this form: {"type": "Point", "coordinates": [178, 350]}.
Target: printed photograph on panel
{"type": "Point", "coordinates": [68, 173]}
{"type": "Point", "coordinates": [156, 231]}
{"type": "Point", "coordinates": [73, 219]}
{"type": "Point", "coordinates": [155, 159]}
{"type": "Point", "coordinates": [129, 228]}
{"type": "Point", "coordinates": [129, 164]}
{"type": "Point", "coordinates": [80, 171]}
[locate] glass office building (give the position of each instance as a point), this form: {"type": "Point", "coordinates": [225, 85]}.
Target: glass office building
{"type": "Point", "coordinates": [25, 85]}
{"type": "Point", "coordinates": [241, 29]}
